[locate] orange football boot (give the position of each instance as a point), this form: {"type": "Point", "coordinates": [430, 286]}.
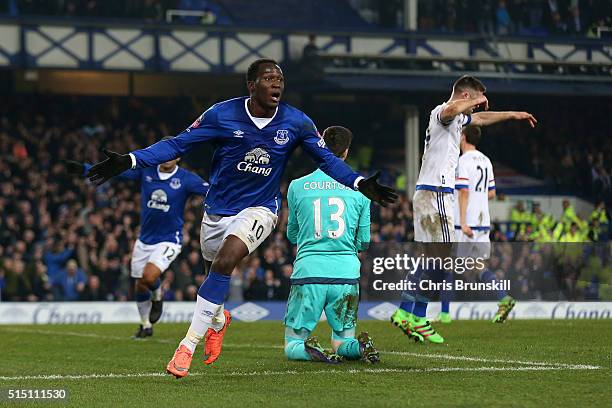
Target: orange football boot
{"type": "Point", "coordinates": [179, 365]}
{"type": "Point", "coordinates": [214, 340]}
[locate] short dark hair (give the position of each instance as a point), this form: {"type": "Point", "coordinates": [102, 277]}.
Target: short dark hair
{"type": "Point", "coordinates": [337, 139]}
{"type": "Point", "coordinates": [468, 82]}
{"type": "Point", "coordinates": [254, 68]}
{"type": "Point", "coordinates": [473, 134]}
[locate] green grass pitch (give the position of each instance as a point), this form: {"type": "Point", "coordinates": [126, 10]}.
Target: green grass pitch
{"type": "Point", "coordinates": [517, 364]}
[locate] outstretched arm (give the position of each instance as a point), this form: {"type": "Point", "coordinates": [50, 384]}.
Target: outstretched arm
{"type": "Point", "coordinates": [314, 145]}
{"type": "Point", "coordinates": [454, 108]}
{"type": "Point", "coordinates": [489, 118]}
{"type": "Point", "coordinates": [82, 169]}
{"type": "Point", "coordinates": [203, 129]}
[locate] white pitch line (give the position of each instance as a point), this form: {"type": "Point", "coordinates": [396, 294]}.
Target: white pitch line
{"type": "Point", "coordinates": [79, 334]}
{"type": "Point", "coordinates": [489, 360]}
{"type": "Point", "coordinates": [284, 372]}
{"type": "Point", "coordinates": [399, 353]}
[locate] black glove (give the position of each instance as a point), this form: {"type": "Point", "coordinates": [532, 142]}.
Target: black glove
{"type": "Point", "coordinates": [74, 167]}
{"type": "Point", "coordinates": [370, 188]}
{"type": "Point", "coordinates": [114, 165]}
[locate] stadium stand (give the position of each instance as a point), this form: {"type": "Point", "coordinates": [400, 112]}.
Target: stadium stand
{"type": "Point", "coordinates": [489, 17]}
{"type": "Point", "coordinates": [515, 17]}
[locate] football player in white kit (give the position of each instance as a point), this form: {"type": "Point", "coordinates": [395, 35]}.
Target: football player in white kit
{"type": "Point", "coordinates": [433, 199]}
{"type": "Point", "coordinates": [475, 186]}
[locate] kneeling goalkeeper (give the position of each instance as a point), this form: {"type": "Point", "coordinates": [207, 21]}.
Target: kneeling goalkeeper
{"type": "Point", "coordinates": [330, 223]}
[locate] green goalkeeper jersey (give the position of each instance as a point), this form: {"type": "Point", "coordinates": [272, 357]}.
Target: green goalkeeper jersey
{"type": "Point", "coordinates": [330, 223]}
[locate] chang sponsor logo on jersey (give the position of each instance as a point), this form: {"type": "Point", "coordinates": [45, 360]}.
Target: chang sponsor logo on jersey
{"type": "Point", "coordinates": [159, 200]}
{"type": "Point", "coordinates": [254, 161]}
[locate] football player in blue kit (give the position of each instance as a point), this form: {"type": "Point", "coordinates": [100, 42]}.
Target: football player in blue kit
{"type": "Point", "coordinates": [164, 190]}
{"type": "Point", "coordinates": [254, 137]}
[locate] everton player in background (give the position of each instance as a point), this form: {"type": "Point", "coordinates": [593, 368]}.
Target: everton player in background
{"type": "Point", "coordinates": [164, 190]}
{"type": "Point", "coordinates": [254, 138]}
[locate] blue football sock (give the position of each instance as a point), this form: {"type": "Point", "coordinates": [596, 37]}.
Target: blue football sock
{"type": "Point", "coordinates": [420, 309]}
{"type": "Point", "coordinates": [488, 276]}
{"type": "Point", "coordinates": [295, 350]}
{"type": "Point", "coordinates": [215, 288]}
{"type": "Point", "coordinates": [143, 296]}
{"type": "Point", "coordinates": [155, 285]}
{"type": "Point", "coordinates": [407, 306]}
{"type": "Point", "coordinates": [350, 349]}
{"type": "Point", "coordinates": [446, 295]}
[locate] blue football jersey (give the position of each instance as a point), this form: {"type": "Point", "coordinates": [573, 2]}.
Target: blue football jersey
{"type": "Point", "coordinates": [162, 202]}
{"type": "Point", "coordinates": [248, 161]}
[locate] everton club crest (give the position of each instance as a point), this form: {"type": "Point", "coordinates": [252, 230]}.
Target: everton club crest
{"type": "Point", "coordinates": [282, 136]}
{"type": "Point", "coordinates": [175, 183]}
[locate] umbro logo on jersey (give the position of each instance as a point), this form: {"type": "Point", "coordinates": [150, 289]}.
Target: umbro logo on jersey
{"type": "Point", "coordinates": [321, 144]}
{"type": "Point", "coordinates": [254, 160]}
{"type": "Point", "coordinates": [238, 133]}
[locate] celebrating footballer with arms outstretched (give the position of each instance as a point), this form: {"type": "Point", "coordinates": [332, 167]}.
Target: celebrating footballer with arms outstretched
{"type": "Point", "coordinates": [254, 138]}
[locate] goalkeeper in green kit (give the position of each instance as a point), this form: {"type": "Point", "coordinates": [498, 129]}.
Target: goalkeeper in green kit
{"type": "Point", "coordinates": [329, 223]}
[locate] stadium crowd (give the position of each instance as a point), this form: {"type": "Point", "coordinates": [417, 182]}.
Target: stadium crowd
{"type": "Point", "coordinates": [62, 239]}
{"type": "Point", "coordinates": [524, 17]}
{"type": "Point", "coordinates": [501, 17]}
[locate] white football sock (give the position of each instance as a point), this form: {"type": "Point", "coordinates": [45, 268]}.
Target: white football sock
{"type": "Point", "coordinates": [201, 321]}
{"type": "Point", "coordinates": [219, 320]}
{"type": "Point", "coordinates": [156, 294]}
{"type": "Point", "coordinates": [144, 308]}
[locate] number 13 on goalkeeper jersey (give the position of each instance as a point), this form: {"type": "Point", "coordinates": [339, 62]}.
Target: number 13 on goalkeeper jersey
{"type": "Point", "coordinates": [329, 223]}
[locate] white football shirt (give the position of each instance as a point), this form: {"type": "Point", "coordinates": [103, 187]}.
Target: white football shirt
{"type": "Point", "coordinates": [475, 172]}
{"type": "Point", "coordinates": [441, 151]}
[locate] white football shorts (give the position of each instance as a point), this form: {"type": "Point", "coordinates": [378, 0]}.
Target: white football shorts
{"type": "Point", "coordinates": [161, 255]}
{"type": "Point", "coordinates": [252, 225]}
{"type": "Point", "coordinates": [433, 216]}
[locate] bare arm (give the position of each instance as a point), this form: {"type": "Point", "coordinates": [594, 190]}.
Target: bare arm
{"type": "Point", "coordinates": [491, 194]}
{"type": "Point", "coordinates": [464, 195]}
{"type": "Point", "coordinates": [489, 118]}
{"type": "Point", "coordinates": [454, 108]}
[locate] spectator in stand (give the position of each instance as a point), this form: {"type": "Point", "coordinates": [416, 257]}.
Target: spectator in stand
{"type": "Point", "coordinates": [93, 290]}
{"type": "Point", "coordinates": [56, 256]}
{"type": "Point", "coordinates": [311, 66]}
{"type": "Point", "coordinates": [70, 282]}
{"type": "Point", "coordinates": [254, 287]}
{"type": "Point", "coordinates": [18, 287]}
{"type": "Point", "coordinates": [504, 23]}
{"type": "Point", "coordinates": [41, 285]}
